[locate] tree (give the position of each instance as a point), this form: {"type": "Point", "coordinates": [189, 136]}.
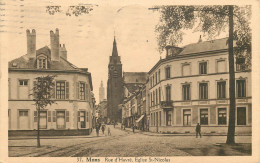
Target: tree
{"type": "Point", "coordinates": [42, 93]}
{"type": "Point", "coordinates": [71, 10]}
{"type": "Point", "coordinates": [211, 20]}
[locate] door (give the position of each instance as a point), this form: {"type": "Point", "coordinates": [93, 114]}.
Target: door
{"type": "Point", "coordinates": [43, 119]}
{"type": "Point", "coordinates": [23, 120]}
{"type": "Point", "coordinates": [60, 119]}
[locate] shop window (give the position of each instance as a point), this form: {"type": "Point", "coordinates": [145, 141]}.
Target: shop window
{"type": "Point", "coordinates": [222, 116]}
{"type": "Point", "coordinates": [204, 116]}
{"type": "Point", "coordinates": [168, 118]}
{"type": "Point", "coordinates": [241, 116]}
{"type": "Point", "coordinates": [187, 117]}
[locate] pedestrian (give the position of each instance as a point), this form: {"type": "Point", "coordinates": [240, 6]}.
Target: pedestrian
{"type": "Point", "coordinates": [97, 130]}
{"type": "Point", "coordinates": [103, 128]}
{"type": "Point", "coordinates": [108, 131]}
{"type": "Point", "coordinates": [198, 130]}
{"type": "Point", "coordinates": [114, 124]}
{"type": "Point", "coordinates": [133, 128]}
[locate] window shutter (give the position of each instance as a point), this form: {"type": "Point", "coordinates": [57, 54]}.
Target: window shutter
{"type": "Point", "coordinates": [35, 116]}
{"type": "Point", "coordinates": [54, 116]}
{"type": "Point", "coordinates": [77, 90]}
{"type": "Point", "coordinates": [53, 92]}
{"type": "Point", "coordinates": [67, 90]}
{"type": "Point", "coordinates": [67, 116]}
{"type": "Point", "coordinates": [49, 116]}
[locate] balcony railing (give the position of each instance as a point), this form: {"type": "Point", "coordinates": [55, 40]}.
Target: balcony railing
{"type": "Point", "coordinates": [166, 104]}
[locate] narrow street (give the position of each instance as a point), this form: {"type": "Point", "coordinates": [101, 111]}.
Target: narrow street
{"type": "Point", "coordinates": [125, 143]}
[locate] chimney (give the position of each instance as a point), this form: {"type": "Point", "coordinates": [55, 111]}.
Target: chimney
{"type": "Point", "coordinates": [31, 43]}
{"type": "Point", "coordinates": [63, 52]}
{"type": "Point", "coordinates": [55, 42]}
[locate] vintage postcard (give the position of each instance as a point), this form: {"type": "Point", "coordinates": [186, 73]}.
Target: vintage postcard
{"type": "Point", "coordinates": [129, 81]}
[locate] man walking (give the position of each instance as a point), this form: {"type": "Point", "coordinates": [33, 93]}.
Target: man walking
{"type": "Point", "coordinates": [97, 129]}
{"type": "Point", "coordinates": [198, 130]}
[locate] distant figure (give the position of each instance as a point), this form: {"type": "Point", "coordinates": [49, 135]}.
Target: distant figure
{"type": "Point", "coordinates": [133, 128]}
{"type": "Point", "coordinates": [108, 131]}
{"type": "Point", "coordinates": [97, 129]}
{"type": "Point", "coordinates": [103, 128]}
{"type": "Point", "coordinates": [114, 124]}
{"type": "Point", "coordinates": [198, 130]}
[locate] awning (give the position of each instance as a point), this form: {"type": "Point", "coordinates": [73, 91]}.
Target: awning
{"type": "Point", "coordinates": [140, 118]}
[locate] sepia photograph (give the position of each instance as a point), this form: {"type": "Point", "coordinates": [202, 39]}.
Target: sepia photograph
{"type": "Point", "coordinates": [116, 81]}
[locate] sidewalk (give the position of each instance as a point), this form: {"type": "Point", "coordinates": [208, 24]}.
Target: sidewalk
{"type": "Point", "coordinates": [177, 134]}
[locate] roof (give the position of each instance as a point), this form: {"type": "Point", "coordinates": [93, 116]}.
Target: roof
{"type": "Point", "coordinates": [135, 77]}
{"type": "Point", "coordinates": [26, 63]}
{"type": "Point", "coordinates": [205, 46]}
{"type": "Point", "coordinates": [133, 87]}
{"type": "Point", "coordinates": [198, 48]}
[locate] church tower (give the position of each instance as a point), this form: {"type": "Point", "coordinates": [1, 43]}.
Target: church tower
{"type": "Point", "coordinates": [114, 85]}
{"type": "Point", "coordinates": [101, 92]}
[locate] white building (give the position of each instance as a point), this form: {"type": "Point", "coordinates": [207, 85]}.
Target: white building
{"type": "Point", "coordinates": [72, 111]}
{"type": "Point", "coordinates": [191, 85]}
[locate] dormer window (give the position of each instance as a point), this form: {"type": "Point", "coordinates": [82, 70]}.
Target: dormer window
{"type": "Point", "coordinates": [42, 62]}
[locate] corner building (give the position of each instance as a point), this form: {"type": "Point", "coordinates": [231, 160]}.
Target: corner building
{"type": "Point", "coordinates": [191, 85]}
{"type": "Point", "coordinates": [72, 112]}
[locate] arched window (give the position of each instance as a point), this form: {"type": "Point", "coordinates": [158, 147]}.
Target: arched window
{"type": "Point", "coordinates": [42, 62]}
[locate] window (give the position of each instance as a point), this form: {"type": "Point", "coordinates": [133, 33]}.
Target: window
{"type": "Point", "coordinates": [204, 116]}
{"type": "Point", "coordinates": [156, 78]}
{"type": "Point", "coordinates": [153, 79]}
{"type": "Point", "coordinates": [61, 119]}
{"type": "Point", "coordinates": [168, 72]}
{"type": "Point", "coordinates": [82, 91]}
{"type": "Point", "coordinates": [221, 66]}
{"type": "Point", "coordinates": [186, 92]}
{"type": "Point", "coordinates": [203, 92]}
{"type": "Point", "coordinates": [168, 93]}
{"type": "Point", "coordinates": [153, 98]}
{"type": "Point", "coordinates": [222, 116]}
{"type": "Point", "coordinates": [42, 62]}
{"type": "Point", "coordinates": [168, 118]}
{"type": "Point", "coordinates": [241, 116]}
{"type": "Point", "coordinates": [241, 88]}
{"type": "Point", "coordinates": [82, 119]}
{"type": "Point", "coordinates": [159, 75]}
{"type": "Point", "coordinates": [203, 68]}
{"type": "Point", "coordinates": [186, 70]}
{"type": "Point", "coordinates": [159, 94]}
{"type": "Point", "coordinates": [43, 119]}
{"type": "Point", "coordinates": [187, 117]}
{"type": "Point", "coordinates": [23, 82]}
{"type": "Point", "coordinates": [60, 90]}
{"type": "Point", "coordinates": [160, 119]}
{"type": "Point", "coordinates": [151, 84]}
{"type": "Point", "coordinates": [221, 86]}
{"type": "Point", "coordinates": [156, 96]}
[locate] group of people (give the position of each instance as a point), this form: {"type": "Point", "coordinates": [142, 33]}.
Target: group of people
{"type": "Point", "coordinates": [103, 127]}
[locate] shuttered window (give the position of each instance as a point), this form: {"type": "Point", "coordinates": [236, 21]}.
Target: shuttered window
{"type": "Point", "coordinates": [49, 116]}
{"type": "Point", "coordinates": [67, 116]}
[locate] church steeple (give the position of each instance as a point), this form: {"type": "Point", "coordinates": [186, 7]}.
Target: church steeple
{"type": "Point", "coordinates": [114, 51]}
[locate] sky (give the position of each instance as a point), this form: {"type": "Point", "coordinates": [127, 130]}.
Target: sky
{"type": "Point", "coordinates": [88, 38]}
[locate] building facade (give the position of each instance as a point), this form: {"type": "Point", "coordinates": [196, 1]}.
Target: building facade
{"type": "Point", "coordinates": [114, 86]}
{"type": "Point", "coordinates": [72, 110]}
{"type": "Point", "coordinates": [191, 85]}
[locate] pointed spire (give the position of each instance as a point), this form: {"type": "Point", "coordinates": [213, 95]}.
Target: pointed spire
{"type": "Point", "coordinates": [114, 52]}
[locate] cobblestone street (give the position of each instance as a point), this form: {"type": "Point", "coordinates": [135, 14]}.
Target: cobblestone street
{"type": "Point", "coordinates": [127, 144]}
